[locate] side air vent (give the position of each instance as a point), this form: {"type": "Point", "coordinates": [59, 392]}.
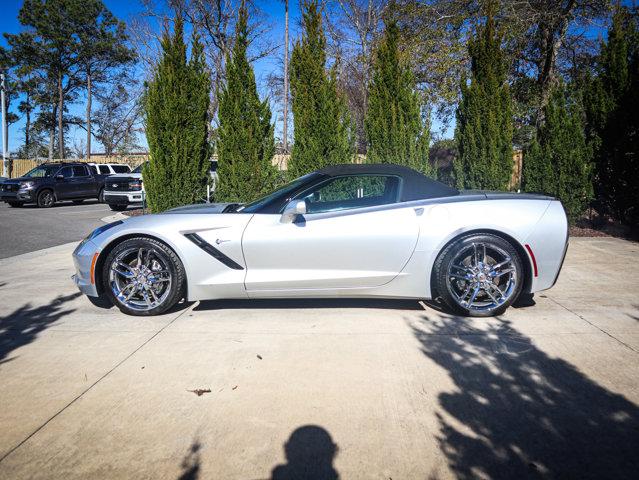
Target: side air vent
{"type": "Point", "coordinates": [214, 252]}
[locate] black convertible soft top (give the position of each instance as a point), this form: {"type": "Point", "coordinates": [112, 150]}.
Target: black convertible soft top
{"type": "Point", "coordinates": [415, 186]}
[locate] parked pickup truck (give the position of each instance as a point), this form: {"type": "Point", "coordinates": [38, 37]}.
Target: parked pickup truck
{"type": "Point", "coordinates": [52, 182]}
{"type": "Point", "coordinates": [124, 189]}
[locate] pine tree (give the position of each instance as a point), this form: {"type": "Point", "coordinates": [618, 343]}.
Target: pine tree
{"type": "Point", "coordinates": [396, 132]}
{"type": "Point", "coordinates": [322, 128]}
{"type": "Point", "coordinates": [484, 129]}
{"type": "Point", "coordinates": [245, 144]}
{"type": "Point", "coordinates": [611, 105]}
{"type": "Point", "coordinates": [176, 107]}
{"type": "Point", "coordinates": [559, 161]}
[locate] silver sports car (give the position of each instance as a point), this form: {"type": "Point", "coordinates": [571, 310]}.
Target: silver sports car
{"type": "Point", "coordinates": [343, 231]}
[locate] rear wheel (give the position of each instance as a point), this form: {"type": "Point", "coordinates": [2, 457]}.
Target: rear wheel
{"type": "Point", "coordinates": [46, 199]}
{"type": "Point", "coordinates": [15, 204]}
{"type": "Point", "coordinates": [118, 208]}
{"type": "Point", "coordinates": [142, 276]}
{"type": "Point", "coordinates": [479, 275]}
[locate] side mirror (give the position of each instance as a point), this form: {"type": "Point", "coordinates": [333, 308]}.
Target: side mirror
{"type": "Point", "coordinates": [59, 177]}
{"type": "Point", "coordinates": [292, 210]}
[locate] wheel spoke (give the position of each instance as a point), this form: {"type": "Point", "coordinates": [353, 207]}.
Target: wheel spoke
{"type": "Point", "coordinates": [461, 277]}
{"type": "Point", "coordinates": [123, 269]}
{"type": "Point", "coordinates": [488, 292]}
{"type": "Point", "coordinates": [503, 272]}
{"type": "Point", "coordinates": [145, 295]}
{"type": "Point", "coordinates": [155, 297]}
{"type": "Point", "coordinates": [473, 296]}
{"type": "Point", "coordinates": [140, 254]}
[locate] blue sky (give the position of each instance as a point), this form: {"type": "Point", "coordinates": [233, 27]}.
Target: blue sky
{"type": "Point", "coordinates": [126, 9]}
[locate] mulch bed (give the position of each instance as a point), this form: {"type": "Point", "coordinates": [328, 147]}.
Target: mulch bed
{"type": "Point", "coordinates": [136, 212]}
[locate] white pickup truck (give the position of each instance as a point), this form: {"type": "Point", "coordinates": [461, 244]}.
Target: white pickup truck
{"type": "Point", "coordinates": [124, 189]}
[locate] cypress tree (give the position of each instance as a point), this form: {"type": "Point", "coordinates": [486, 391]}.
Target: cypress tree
{"type": "Point", "coordinates": [484, 129]}
{"type": "Point", "coordinates": [245, 144]}
{"type": "Point", "coordinates": [611, 105]}
{"type": "Point", "coordinates": [559, 161]}
{"type": "Point", "coordinates": [176, 107]}
{"type": "Point", "coordinates": [322, 127]}
{"type": "Point", "coordinates": [396, 132]}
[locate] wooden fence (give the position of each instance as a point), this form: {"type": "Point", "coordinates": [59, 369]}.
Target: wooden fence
{"type": "Point", "coordinates": [18, 167]}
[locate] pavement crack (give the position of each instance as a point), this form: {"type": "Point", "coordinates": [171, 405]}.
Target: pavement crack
{"type": "Point", "coordinates": [592, 324]}
{"type": "Point", "coordinates": [91, 386]}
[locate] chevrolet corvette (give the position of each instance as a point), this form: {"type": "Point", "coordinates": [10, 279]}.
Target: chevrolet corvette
{"type": "Point", "coordinates": [343, 231]}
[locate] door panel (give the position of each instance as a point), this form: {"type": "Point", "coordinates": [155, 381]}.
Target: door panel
{"type": "Point", "coordinates": [328, 251]}
{"type": "Point", "coordinates": [65, 188]}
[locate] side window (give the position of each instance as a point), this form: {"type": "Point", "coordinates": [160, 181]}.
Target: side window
{"type": "Point", "coordinates": [104, 169]}
{"type": "Point", "coordinates": [66, 172]}
{"type": "Point", "coordinates": [352, 191]}
{"type": "Point", "coordinates": [120, 168]}
{"type": "Point", "coordinates": [80, 171]}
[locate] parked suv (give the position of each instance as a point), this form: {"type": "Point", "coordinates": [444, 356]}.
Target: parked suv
{"type": "Point", "coordinates": [124, 189]}
{"type": "Point", "coordinates": [109, 168]}
{"type": "Point", "coordinates": [51, 182]}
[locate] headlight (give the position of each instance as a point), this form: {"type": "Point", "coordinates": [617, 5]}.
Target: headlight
{"type": "Point", "coordinates": [27, 184]}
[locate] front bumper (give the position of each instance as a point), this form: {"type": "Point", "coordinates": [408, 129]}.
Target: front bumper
{"type": "Point", "coordinates": [124, 198]}
{"type": "Point", "coordinates": [83, 262]}
{"type": "Point", "coordinates": [23, 195]}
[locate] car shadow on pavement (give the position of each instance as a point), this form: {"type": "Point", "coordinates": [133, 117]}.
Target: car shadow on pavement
{"type": "Point", "coordinates": [516, 412]}
{"type": "Point", "coordinates": [62, 204]}
{"type": "Point", "coordinates": [24, 324]}
{"type": "Point", "coordinates": [308, 303]}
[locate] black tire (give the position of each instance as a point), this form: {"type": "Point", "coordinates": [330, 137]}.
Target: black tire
{"type": "Point", "coordinates": [77, 202]}
{"type": "Point", "coordinates": [175, 290]}
{"type": "Point", "coordinates": [101, 196]}
{"type": "Point", "coordinates": [447, 286]}
{"type": "Point", "coordinates": [46, 199]}
{"type": "Point", "coordinates": [117, 208]}
{"type": "Point", "coordinates": [15, 204]}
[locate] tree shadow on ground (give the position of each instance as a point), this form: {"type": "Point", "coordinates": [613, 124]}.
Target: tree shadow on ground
{"type": "Point", "coordinates": [310, 451]}
{"type": "Point", "coordinates": [308, 303]}
{"type": "Point", "coordinates": [518, 413]}
{"type": "Point", "coordinates": [191, 462]}
{"type": "Point", "coordinates": [24, 324]}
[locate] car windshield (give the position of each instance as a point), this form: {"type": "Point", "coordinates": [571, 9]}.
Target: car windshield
{"type": "Point", "coordinates": [43, 171]}
{"type": "Point", "coordinates": [139, 168]}
{"type": "Point", "coordinates": [280, 193]}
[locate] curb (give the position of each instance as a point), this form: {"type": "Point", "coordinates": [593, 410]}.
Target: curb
{"type": "Point", "coordinates": [39, 253]}
{"type": "Point", "coordinates": [114, 218]}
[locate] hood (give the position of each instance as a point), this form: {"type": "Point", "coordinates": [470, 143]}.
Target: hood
{"type": "Point", "coordinates": [23, 179]}
{"type": "Point", "coordinates": [124, 175]}
{"type": "Point", "coordinates": [203, 208]}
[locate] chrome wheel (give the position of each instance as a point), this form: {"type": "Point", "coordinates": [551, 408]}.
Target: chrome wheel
{"type": "Point", "coordinates": [481, 277]}
{"type": "Point", "coordinates": [140, 278]}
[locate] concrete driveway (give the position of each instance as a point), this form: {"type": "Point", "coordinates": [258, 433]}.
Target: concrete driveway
{"type": "Point", "coordinates": [316, 389]}
{"type": "Point", "coordinates": [31, 228]}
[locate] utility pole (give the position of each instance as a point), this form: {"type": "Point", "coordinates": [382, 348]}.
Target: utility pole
{"type": "Point", "coordinates": [285, 128]}
{"type": "Point", "coordinates": [5, 166]}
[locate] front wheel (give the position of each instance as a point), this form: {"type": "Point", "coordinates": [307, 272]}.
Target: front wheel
{"type": "Point", "coordinates": [46, 199]}
{"type": "Point", "coordinates": [479, 275]}
{"type": "Point", "coordinates": [143, 276]}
